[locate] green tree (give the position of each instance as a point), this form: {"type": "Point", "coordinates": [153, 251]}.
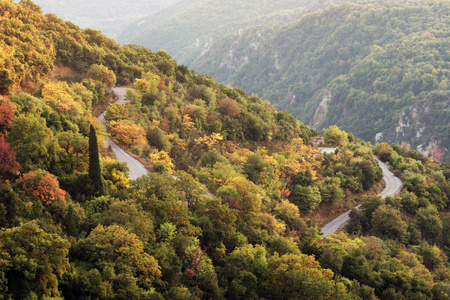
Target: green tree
{"type": "Point", "coordinates": [71, 226]}
{"type": "Point", "coordinates": [244, 267]}
{"type": "Point", "coordinates": [409, 201]}
{"type": "Point", "coordinates": [306, 197]}
{"type": "Point", "coordinates": [330, 190]}
{"type": "Point", "coordinates": [446, 230]}
{"type": "Point", "coordinates": [217, 222]}
{"type": "Point", "coordinates": [189, 187]}
{"type": "Point", "coordinates": [387, 221]}
{"type": "Point", "coordinates": [254, 166]}
{"type": "Point", "coordinates": [301, 277]}
{"type": "Point", "coordinates": [367, 171]}
{"type": "Point", "coordinates": [95, 172]}
{"type": "Point", "coordinates": [74, 154]}
{"type": "Point", "coordinates": [429, 222]}
{"type": "Point", "coordinates": [334, 136]}
{"type": "Point", "coordinates": [131, 216]}
{"type": "Point", "coordinates": [34, 143]}
{"type": "Point", "coordinates": [35, 261]}
{"type": "Point", "coordinates": [120, 257]}
{"type": "Point", "coordinates": [158, 139]}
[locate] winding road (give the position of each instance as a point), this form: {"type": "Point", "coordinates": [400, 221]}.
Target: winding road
{"type": "Point", "coordinates": [393, 186]}
{"type": "Point", "coordinates": [136, 168]}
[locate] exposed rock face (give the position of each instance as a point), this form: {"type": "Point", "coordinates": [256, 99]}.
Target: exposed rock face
{"type": "Point", "coordinates": [232, 62]}
{"type": "Point", "coordinates": [322, 110]}
{"type": "Point", "coordinates": [206, 47]}
{"type": "Point", "coordinates": [412, 128]}
{"type": "Point", "coordinates": [378, 137]}
{"type": "Point", "coordinates": [433, 150]}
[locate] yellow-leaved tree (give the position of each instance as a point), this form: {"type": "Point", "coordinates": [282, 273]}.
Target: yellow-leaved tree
{"type": "Point", "coordinates": [148, 83]}
{"type": "Point", "coordinates": [59, 95]}
{"type": "Point", "coordinates": [162, 158]}
{"type": "Point", "coordinates": [300, 158]}
{"type": "Point", "coordinates": [128, 134]}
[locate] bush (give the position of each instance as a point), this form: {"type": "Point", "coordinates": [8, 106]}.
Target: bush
{"type": "Point", "coordinates": [158, 139]}
{"type": "Point", "coordinates": [306, 197]}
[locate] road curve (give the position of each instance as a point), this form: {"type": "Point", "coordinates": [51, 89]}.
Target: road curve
{"type": "Point", "coordinates": [136, 168]}
{"type": "Point", "coordinates": [393, 186]}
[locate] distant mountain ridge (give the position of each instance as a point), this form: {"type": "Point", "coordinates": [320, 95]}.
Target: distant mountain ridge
{"type": "Point", "coordinates": [108, 16]}
{"type": "Point", "coordinates": [188, 29]}
{"type": "Point", "coordinates": [379, 70]}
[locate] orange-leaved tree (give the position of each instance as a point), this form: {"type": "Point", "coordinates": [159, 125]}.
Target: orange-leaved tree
{"type": "Point", "coordinates": [102, 74]}
{"type": "Point", "coordinates": [8, 164]}
{"type": "Point", "coordinates": [43, 186]}
{"type": "Point", "coordinates": [6, 114]}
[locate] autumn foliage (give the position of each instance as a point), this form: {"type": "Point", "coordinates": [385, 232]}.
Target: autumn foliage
{"type": "Point", "coordinates": [103, 74]}
{"type": "Point", "coordinates": [43, 186]}
{"type": "Point", "coordinates": [229, 107]}
{"type": "Point", "coordinates": [162, 157]}
{"type": "Point", "coordinates": [128, 134]}
{"type": "Point", "coordinates": [6, 114]}
{"type": "Point", "coordinates": [58, 95]}
{"type": "Point", "coordinates": [8, 164]}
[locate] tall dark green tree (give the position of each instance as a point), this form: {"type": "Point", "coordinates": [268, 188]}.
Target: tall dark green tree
{"type": "Point", "coordinates": [71, 226]}
{"type": "Point", "coordinates": [95, 171]}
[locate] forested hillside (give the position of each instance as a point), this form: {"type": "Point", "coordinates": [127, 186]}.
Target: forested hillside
{"type": "Point", "coordinates": [234, 200]}
{"type": "Point", "coordinates": [108, 16]}
{"type": "Point", "coordinates": [378, 69]}
{"type": "Point", "coordinates": [193, 26]}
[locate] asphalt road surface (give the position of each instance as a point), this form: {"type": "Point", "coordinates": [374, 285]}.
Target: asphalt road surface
{"type": "Point", "coordinates": [136, 168]}
{"type": "Point", "coordinates": [393, 186]}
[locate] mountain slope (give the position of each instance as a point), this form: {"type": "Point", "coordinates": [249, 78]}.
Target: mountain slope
{"type": "Point", "coordinates": [187, 29]}
{"type": "Point", "coordinates": [380, 70]}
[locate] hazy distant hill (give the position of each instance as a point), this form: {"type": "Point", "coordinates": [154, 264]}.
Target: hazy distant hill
{"type": "Point", "coordinates": [188, 29]}
{"type": "Point", "coordinates": [378, 70]}
{"type": "Point", "coordinates": [108, 16]}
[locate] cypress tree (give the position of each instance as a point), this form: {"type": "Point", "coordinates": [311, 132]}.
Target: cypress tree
{"type": "Point", "coordinates": [71, 226]}
{"type": "Point", "coordinates": [95, 172]}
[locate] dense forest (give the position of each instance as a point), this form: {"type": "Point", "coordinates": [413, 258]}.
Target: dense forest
{"type": "Point", "coordinates": [376, 68]}
{"type": "Point", "coordinates": [237, 192]}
